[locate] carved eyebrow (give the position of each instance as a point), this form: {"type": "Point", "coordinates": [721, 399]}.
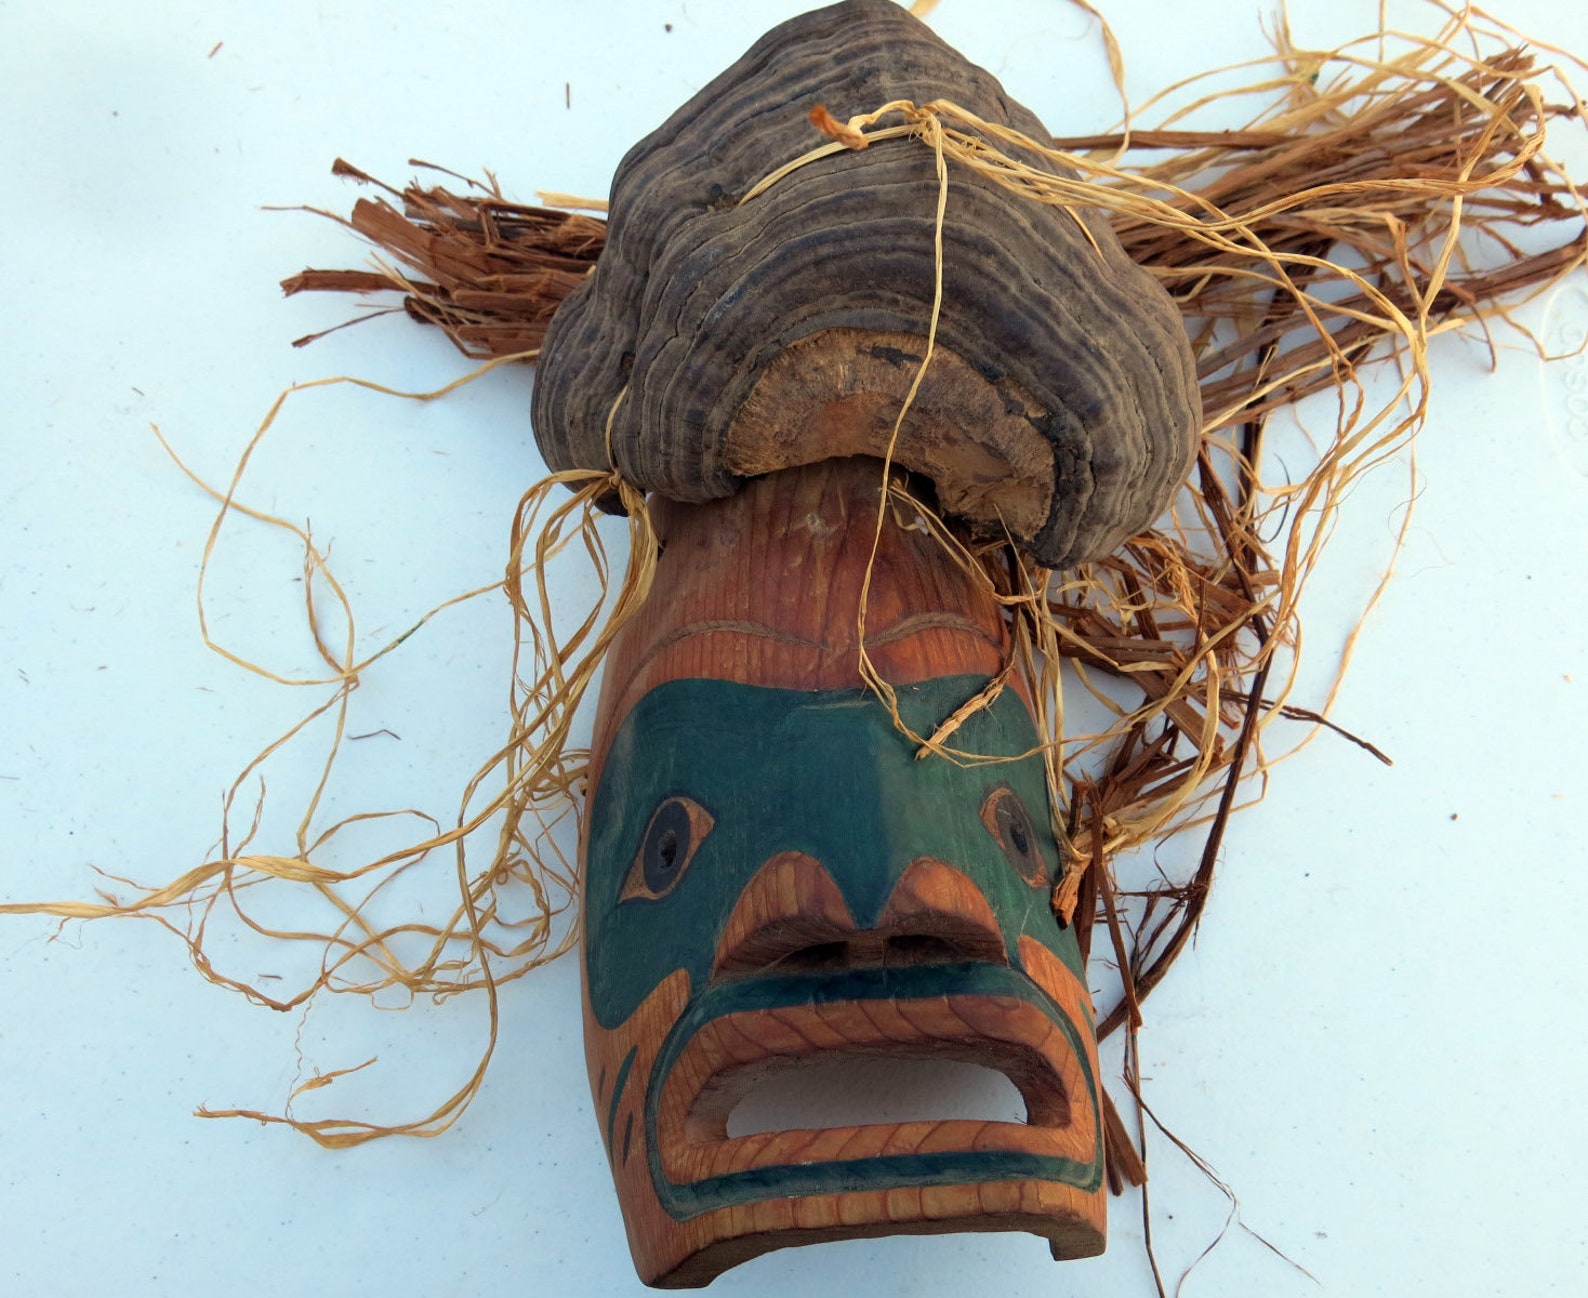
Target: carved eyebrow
{"type": "Point", "coordinates": [740, 626]}
{"type": "Point", "coordinates": [936, 621]}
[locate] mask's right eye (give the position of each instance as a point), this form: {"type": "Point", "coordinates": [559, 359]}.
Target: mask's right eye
{"type": "Point", "coordinates": [677, 828]}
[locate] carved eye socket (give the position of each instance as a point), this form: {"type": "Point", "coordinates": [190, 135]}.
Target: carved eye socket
{"type": "Point", "coordinates": [676, 830]}
{"type": "Point", "coordinates": [1009, 822]}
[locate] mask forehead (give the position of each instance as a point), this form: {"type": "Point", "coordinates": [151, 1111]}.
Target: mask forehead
{"type": "Point", "coordinates": [822, 773]}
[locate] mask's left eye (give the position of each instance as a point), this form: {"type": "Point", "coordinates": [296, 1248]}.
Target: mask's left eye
{"type": "Point", "coordinates": [674, 834]}
{"type": "Point", "coordinates": [1008, 821]}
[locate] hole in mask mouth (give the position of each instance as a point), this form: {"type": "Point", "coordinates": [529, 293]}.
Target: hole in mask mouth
{"type": "Point", "coordinates": [854, 1091]}
{"type": "Point", "coordinates": [815, 958]}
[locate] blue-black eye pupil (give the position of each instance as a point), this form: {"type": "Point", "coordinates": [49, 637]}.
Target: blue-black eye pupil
{"type": "Point", "coordinates": [666, 845]}
{"type": "Point", "coordinates": [1017, 836]}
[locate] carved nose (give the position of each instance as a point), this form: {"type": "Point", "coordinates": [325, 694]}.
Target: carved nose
{"type": "Point", "coordinates": [792, 918]}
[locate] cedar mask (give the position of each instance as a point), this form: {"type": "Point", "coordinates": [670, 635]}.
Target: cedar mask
{"type": "Point", "coordinates": [774, 873]}
{"type": "Point", "coordinates": [773, 878]}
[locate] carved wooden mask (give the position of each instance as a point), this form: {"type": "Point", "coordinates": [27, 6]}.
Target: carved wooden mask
{"type": "Point", "coordinates": [773, 877]}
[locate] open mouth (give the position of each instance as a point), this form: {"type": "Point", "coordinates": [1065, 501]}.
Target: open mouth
{"type": "Point", "coordinates": [742, 1031]}
{"type": "Point", "coordinates": [862, 1090]}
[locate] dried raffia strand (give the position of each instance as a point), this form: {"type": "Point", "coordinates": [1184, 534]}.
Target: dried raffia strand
{"type": "Point", "coordinates": [536, 776]}
{"type": "Point", "coordinates": [1407, 168]}
{"type": "Point", "coordinates": [1048, 701]}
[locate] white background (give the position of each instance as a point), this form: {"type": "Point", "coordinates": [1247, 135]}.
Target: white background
{"type": "Point", "coordinates": [1377, 1041]}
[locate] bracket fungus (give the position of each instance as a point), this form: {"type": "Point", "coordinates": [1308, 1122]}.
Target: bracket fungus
{"type": "Point", "coordinates": [720, 337]}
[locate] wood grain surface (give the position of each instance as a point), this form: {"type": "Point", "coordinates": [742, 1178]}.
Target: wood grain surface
{"type": "Point", "coordinates": [762, 589]}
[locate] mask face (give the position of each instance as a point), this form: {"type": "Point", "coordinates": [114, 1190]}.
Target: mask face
{"type": "Point", "coordinates": [773, 878]}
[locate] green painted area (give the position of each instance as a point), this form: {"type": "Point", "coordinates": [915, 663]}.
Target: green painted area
{"type": "Point", "coordinates": [827, 774]}
{"type": "Point", "coordinates": [617, 1092]}
{"type": "Point", "coordinates": [819, 772]}
{"type": "Point", "coordinates": [897, 985]}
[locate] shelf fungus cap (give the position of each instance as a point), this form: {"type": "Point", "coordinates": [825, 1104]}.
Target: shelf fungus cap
{"type": "Point", "coordinates": [717, 340]}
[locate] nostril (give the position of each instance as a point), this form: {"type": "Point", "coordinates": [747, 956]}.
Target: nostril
{"type": "Point", "coordinates": [792, 918]}
{"type": "Point", "coordinates": [919, 948]}
{"type": "Point", "coordinates": [869, 950]}
{"type": "Point", "coordinates": [938, 915]}
{"type": "Point", "coordinates": [818, 957]}
{"type": "Point", "coordinates": [791, 914]}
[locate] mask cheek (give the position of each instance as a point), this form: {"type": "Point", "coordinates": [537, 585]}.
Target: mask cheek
{"type": "Point", "coordinates": [1074, 999]}
{"type": "Point", "coordinates": [620, 1061]}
